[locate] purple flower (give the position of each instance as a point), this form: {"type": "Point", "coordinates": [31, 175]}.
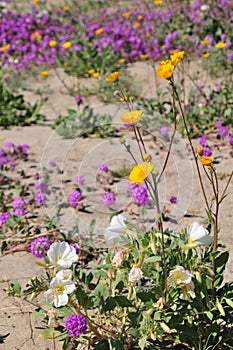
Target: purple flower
{"type": "Point", "coordinates": [19, 203]}
{"type": "Point", "coordinates": [224, 130]}
{"type": "Point", "coordinates": [206, 151]}
{"type": "Point", "coordinates": [74, 198]}
{"type": "Point", "coordinates": [79, 99]}
{"type": "Point", "coordinates": [52, 164]}
{"type": "Point", "coordinates": [108, 198]}
{"type": "Point", "coordinates": [76, 325]}
{"type": "Point", "coordinates": [75, 247]}
{"type": "Point", "coordinates": [230, 55]}
{"type": "Point", "coordinates": [3, 218]}
{"type": "Point", "coordinates": [103, 167]}
{"type": "Point", "coordinates": [131, 186]}
{"type": "Point", "coordinates": [218, 124]}
{"type": "Point", "coordinates": [230, 139]}
{"type": "Point", "coordinates": [172, 199]}
{"type": "Point", "coordinates": [140, 195]}
{"type": "Point", "coordinates": [19, 212]}
{"type": "Point", "coordinates": [42, 187]}
{"type": "Point", "coordinates": [40, 198]}
{"type": "Point", "coordinates": [217, 88]}
{"type": "Point", "coordinates": [79, 180]}
{"type": "Point", "coordinates": [203, 140]}
{"type": "Point", "coordinates": [40, 246]}
{"type": "Point", "coordinates": [164, 130]}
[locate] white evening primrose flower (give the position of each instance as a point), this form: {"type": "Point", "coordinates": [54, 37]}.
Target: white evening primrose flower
{"type": "Point", "coordinates": [198, 235]}
{"type": "Point", "coordinates": [116, 229]}
{"type": "Point", "coordinates": [119, 258]}
{"type": "Point", "coordinates": [135, 275]}
{"type": "Point", "coordinates": [62, 254]}
{"type": "Point", "coordinates": [64, 275]}
{"type": "Point", "coordinates": [179, 276]}
{"type": "Point", "coordinates": [58, 291]}
{"type": "Point", "coordinates": [188, 292]}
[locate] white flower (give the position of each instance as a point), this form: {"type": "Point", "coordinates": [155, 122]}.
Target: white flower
{"type": "Point", "coordinates": [119, 258]}
{"type": "Point", "coordinates": [179, 276]}
{"type": "Point", "coordinates": [199, 235]}
{"type": "Point", "coordinates": [188, 292]}
{"type": "Point", "coordinates": [59, 290]}
{"type": "Point", "coordinates": [135, 275]}
{"type": "Point", "coordinates": [116, 229]}
{"type": "Point", "coordinates": [64, 275]}
{"type": "Point", "coordinates": [204, 7]}
{"type": "Point", "coordinates": [62, 254]}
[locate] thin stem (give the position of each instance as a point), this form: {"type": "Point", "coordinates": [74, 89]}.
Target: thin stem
{"type": "Point", "coordinates": [172, 138]}
{"type": "Point", "coordinates": [191, 145]}
{"type": "Point", "coordinates": [226, 187]}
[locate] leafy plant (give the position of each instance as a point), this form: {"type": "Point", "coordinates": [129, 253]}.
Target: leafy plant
{"type": "Point", "coordinates": [15, 111]}
{"type": "Point", "coordinates": [83, 124]}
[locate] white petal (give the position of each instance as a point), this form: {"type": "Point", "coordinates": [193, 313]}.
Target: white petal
{"type": "Point", "coordinates": [60, 300]}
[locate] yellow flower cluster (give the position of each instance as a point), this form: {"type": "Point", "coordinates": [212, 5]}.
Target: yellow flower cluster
{"type": "Point", "coordinates": [44, 73]}
{"type": "Point", "coordinates": [140, 172]}
{"type": "Point", "coordinates": [158, 2]}
{"type": "Point", "coordinates": [99, 31]}
{"type": "Point", "coordinates": [220, 45]}
{"type": "Point", "coordinates": [36, 35]}
{"type": "Point", "coordinates": [93, 73]}
{"type": "Point", "coordinates": [52, 43]}
{"type": "Point", "coordinates": [167, 67]}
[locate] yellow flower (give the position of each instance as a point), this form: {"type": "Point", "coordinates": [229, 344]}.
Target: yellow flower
{"type": "Point", "coordinates": [113, 77]}
{"type": "Point", "coordinates": [137, 25]}
{"type": "Point", "coordinates": [36, 35]}
{"type": "Point", "coordinates": [140, 172]}
{"type": "Point", "coordinates": [220, 45]}
{"type": "Point", "coordinates": [44, 73]}
{"type": "Point", "coordinates": [183, 37]}
{"type": "Point", "coordinates": [147, 157]}
{"type": "Point", "coordinates": [52, 43]}
{"type": "Point", "coordinates": [66, 7]}
{"type": "Point", "coordinates": [36, 2]}
{"type": "Point", "coordinates": [132, 117]}
{"type": "Point", "coordinates": [206, 55]}
{"type": "Point", "coordinates": [91, 71]}
{"type": "Point", "coordinates": [121, 60]}
{"type": "Point", "coordinates": [96, 75]}
{"type": "Point", "coordinates": [124, 99]}
{"type": "Point", "coordinates": [126, 14]}
{"type": "Point", "coordinates": [144, 56]}
{"type": "Point", "coordinates": [67, 45]}
{"type": "Point", "coordinates": [176, 57]}
{"type": "Point", "coordinates": [5, 47]}
{"type": "Point", "coordinates": [200, 151]}
{"type": "Point", "coordinates": [206, 160]}
{"type": "Point", "coordinates": [158, 2]}
{"type": "Point", "coordinates": [99, 31]}
{"type": "Point", "coordinates": [204, 42]}
{"type": "Point", "coordinates": [165, 70]}
{"type": "Point", "coordinates": [140, 17]}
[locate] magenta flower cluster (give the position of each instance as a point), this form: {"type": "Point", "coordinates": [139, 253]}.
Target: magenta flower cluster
{"type": "Point", "coordinates": [108, 198]}
{"type": "Point", "coordinates": [76, 325]}
{"type": "Point", "coordinates": [224, 131]}
{"type": "Point", "coordinates": [206, 150]}
{"type": "Point", "coordinates": [139, 193]}
{"type": "Point", "coordinates": [40, 246]}
{"type": "Point", "coordinates": [11, 154]}
{"type": "Point", "coordinates": [103, 167]}
{"type": "Point", "coordinates": [74, 198]}
{"type": "Point", "coordinates": [19, 205]}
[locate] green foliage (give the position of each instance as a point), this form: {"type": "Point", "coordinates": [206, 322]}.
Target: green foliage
{"type": "Point", "coordinates": [83, 124]}
{"type": "Point", "coordinates": [15, 111]}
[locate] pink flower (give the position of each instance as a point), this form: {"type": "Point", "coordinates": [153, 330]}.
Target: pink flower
{"type": "Point", "coordinates": [135, 275]}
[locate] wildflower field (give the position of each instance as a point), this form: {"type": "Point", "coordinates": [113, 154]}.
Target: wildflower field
{"type": "Point", "coordinates": [116, 166]}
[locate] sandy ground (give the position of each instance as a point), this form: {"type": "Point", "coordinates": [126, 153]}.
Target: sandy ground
{"type": "Point", "coordinates": [81, 157]}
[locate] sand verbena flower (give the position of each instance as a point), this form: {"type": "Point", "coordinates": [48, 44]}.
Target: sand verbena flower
{"type": "Point", "coordinates": [76, 325]}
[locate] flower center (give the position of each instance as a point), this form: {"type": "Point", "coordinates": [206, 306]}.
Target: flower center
{"type": "Point", "coordinates": [59, 289]}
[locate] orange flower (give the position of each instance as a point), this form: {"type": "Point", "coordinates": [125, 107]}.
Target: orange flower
{"type": "Point", "coordinates": [206, 160]}
{"type": "Point", "coordinates": [206, 55]}
{"type": "Point", "coordinates": [137, 25]}
{"type": "Point", "coordinates": [121, 60]}
{"type": "Point", "coordinates": [5, 47]}
{"type": "Point", "coordinates": [204, 42]}
{"type": "Point", "coordinates": [96, 75]}
{"type": "Point", "coordinates": [44, 73]}
{"type": "Point", "coordinates": [126, 14]}
{"type": "Point", "coordinates": [113, 77]}
{"type": "Point", "coordinates": [176, 57]}
{"type": "Point", "coordinates": [99, 31]}
{"type": "Point", "coordinates": [36, 35]}
{"type": "Point", "coordinates": [140, 172]}
{"type": "Point", "coordinates": [200, 151]}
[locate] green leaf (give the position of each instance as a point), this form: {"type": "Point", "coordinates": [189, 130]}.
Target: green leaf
{"type": "Point", "coordinates": [220, 261]}
{"type": "Point", "coordinates": [115, 344]}
{"type": "Point", "coordinates": [229, 302]}
{"type": "Point", "coordinates": [119, 300]}
{"type": "Point", "coordinates": [142, 343]}
{"type": "Point", "coordinates": [220, 307]}
{"type": "Point", "coordinates": [49, 333]}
